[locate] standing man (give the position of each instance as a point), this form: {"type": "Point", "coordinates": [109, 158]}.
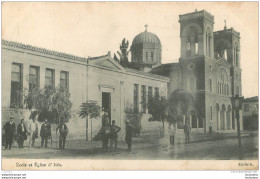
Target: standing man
{"type": "Point", "coordinates": [129, 135]}
{"type": "Point", "coordinates": [113, 137]}
{"type": "Point", "coordinates": [105, 133]}
{"type": "Point", "coordinates": [63, 130]}
{"type": "Point", "coordinates": [33, 128]}
{"type": "Point", "coordinates": [22, 133]}
{"type": "Point", "coordinates": [187, 129]}
{"type": "Point", "coordinates": [45, 133]}
{"type": "Point", "coordinates": [9, 133]}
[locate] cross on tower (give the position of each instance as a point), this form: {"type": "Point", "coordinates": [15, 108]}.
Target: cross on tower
{"type": "Point", "coordinates": [145, 27]}
{"type": "Point", "coordinates": [225, 27]}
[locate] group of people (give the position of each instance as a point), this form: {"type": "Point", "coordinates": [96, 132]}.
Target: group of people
{"type": "Point", "coordinates": [110, 132]}
{"type": "Point", "coordinates": [22, 133]}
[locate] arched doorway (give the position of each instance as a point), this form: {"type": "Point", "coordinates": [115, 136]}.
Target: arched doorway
{"type": "Point", "coordinates": [194, 122]}
{"type": "Point", "coordinates": [218, 116]}
{"type": "Point", "coordinates": [223, 117]}
{"type": "Point", "coordinates": [229, 118]}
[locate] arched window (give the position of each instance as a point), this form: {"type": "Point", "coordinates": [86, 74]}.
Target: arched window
{"type": "Point", "coordinates": [222, 88]}
{"type": "Point", "coordinates": [192, 84]}
{"type": "Point", "coordinates": [225, 54]}
{"type": "Point", "coordinates": [210, 85]}
{"type": "Point", "coordinates": [208, 43]}
{"type": "Point", "coordinates": [236, 58]}
{"type": "Point", "coordinates": [192, 41]}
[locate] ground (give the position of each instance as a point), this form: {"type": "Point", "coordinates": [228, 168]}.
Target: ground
{"type": "Point", "coordinates": [207, 147]}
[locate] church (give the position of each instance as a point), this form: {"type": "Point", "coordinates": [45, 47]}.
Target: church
{"type": "Point", "coordinates": [208, 72]}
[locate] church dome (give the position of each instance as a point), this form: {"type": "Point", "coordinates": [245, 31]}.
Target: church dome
{"type": "Point", "coordinates": [146, 37]}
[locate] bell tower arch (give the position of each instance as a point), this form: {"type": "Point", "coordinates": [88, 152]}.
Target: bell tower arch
{"type": "Point", "coordinates": [196, 34]}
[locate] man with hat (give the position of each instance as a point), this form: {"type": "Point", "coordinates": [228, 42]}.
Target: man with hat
{"type": "Point", "coordinates": [129, 134]}
{"type": "Point", "coordinates": [45, 133]}
{"type": "Point", "coordinates": [33, 128]}
{"type": "Point", "coordinates": [22, 133]}
{"type": "Point", "coordinates": [187, 130]}
{"type": "Point", "coordinates": [9, 128]}
{"type": "Point", "coordinates": [63, 130]}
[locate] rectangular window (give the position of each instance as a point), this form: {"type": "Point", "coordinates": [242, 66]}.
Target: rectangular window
{"type": "Point", "coordinates": [64, 79]}
{"type": "Point", "coordinates": [136, 86]}
{"type": "Point", "coordinates": [34, 77]}
{"type": "Point", "coordinates": [152, 56]}
{"type": "Point", "coordinates": [49, 77]}
{"type": "Point", "coordinates": [143, 98]}
{"type": "Point", "coordinates": [150, 94]}
{"type": "Point", "coordinates": [156, 92]}
{"type": "Point", "coordinates": [211, 113]}
{"type": "Point", "coordinates": [16, 86]}
{"type": "Point", "coordinates": [246, 107]}
{"type": "Point", "coordinates": [146, 56]}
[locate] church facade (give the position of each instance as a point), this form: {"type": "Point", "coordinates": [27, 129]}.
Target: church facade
{"type": "Point", "coordinates": [208, 72]}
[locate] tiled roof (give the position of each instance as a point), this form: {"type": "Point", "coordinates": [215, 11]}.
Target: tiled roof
{"type": "Point", "coordinates": [165, 69]}
{"type": "Point", "coordinates": [146, 37]}
{"type": "Point", "coordinates": [146, 74]}
{"type": "Point", "coordinates": [252, 99]}
{"type": "Point", "coordinates": [41, 50]}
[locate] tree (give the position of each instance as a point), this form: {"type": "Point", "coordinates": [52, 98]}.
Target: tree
{"type": "Point", "coordinates": [89, 109]}
{"type": "Point", "coordinates": [123, 54]}
{"type": "Point", "coordinates": [61, 105]}
{"type": "Point", "coordinates": [179, 102]}
{"type": "Point", "coordinates": [157, 108]}
{"type": "Point", "coordinates": [50, 103]}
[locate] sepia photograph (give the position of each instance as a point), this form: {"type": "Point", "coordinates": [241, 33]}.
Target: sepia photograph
{"type": "Point", "coordinates": [129, 86]}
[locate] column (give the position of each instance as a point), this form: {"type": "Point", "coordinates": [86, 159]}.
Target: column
{"type": "Point", "coordinates": [230, 118]}
{"type": "Point", "coordinates": [190, 121]}
{"type": "Point", "coordinates": [183, 47]}
{"type": "Point", "coordinates": [139, 98]}
{"type": "Point", "coordinates": [57, 77]}
{"type": "Point", "coordinates": [146, 90]}
{"type": "Point", "coordinates": [241, 119]}
{"type": "Point", "coordinates": [235, 121]}
{"type": "Point", "coordinates": [42, 76]}
{"type": "Point", "coordinates": [6, 80]}
{"type": "Point", "coordinates": [212, 46]}
{"type": "Point", "coordinates": [89, 129]}
{"type": "Point", "coordinates": [122, 132]}
{"type": "Point", "coordinates": [197, 123]}
{"type": "Point", "coordinates": [218, 118]}
{"type": "Point", "coordinates": [225, 120]}
{"type": "Point", "coordinates": [183, 117]}
{"type": "Point", "coordinates": [201, 46]}
{"type": "Point", "coordinates": [192, 45]}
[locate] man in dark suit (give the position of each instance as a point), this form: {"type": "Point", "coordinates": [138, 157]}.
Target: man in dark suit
{"type": "Point", "coordinates": [45, 133]}
{"type": "Point", "coordinates": [22, 133]}
{"type": "Point", "coordinates": [129, 135]}
{"type": "Point", "coordinates": [9, 133]}
{"type": "Point", "coordinates": [63, 130]}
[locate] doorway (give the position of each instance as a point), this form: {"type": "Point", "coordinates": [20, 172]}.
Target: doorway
{"type": "Point", "coordinates": [106, 105]}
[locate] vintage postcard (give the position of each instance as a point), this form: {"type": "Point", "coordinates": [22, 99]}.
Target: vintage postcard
{"type": "Point", "coordinates": [129, 85]}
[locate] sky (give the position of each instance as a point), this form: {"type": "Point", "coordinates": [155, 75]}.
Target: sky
{"type": "Point", "coordinates": [89, 29]}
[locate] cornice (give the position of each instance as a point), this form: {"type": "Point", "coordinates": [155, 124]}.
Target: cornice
{"type": "Point", "coordinates": [31, 48]}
